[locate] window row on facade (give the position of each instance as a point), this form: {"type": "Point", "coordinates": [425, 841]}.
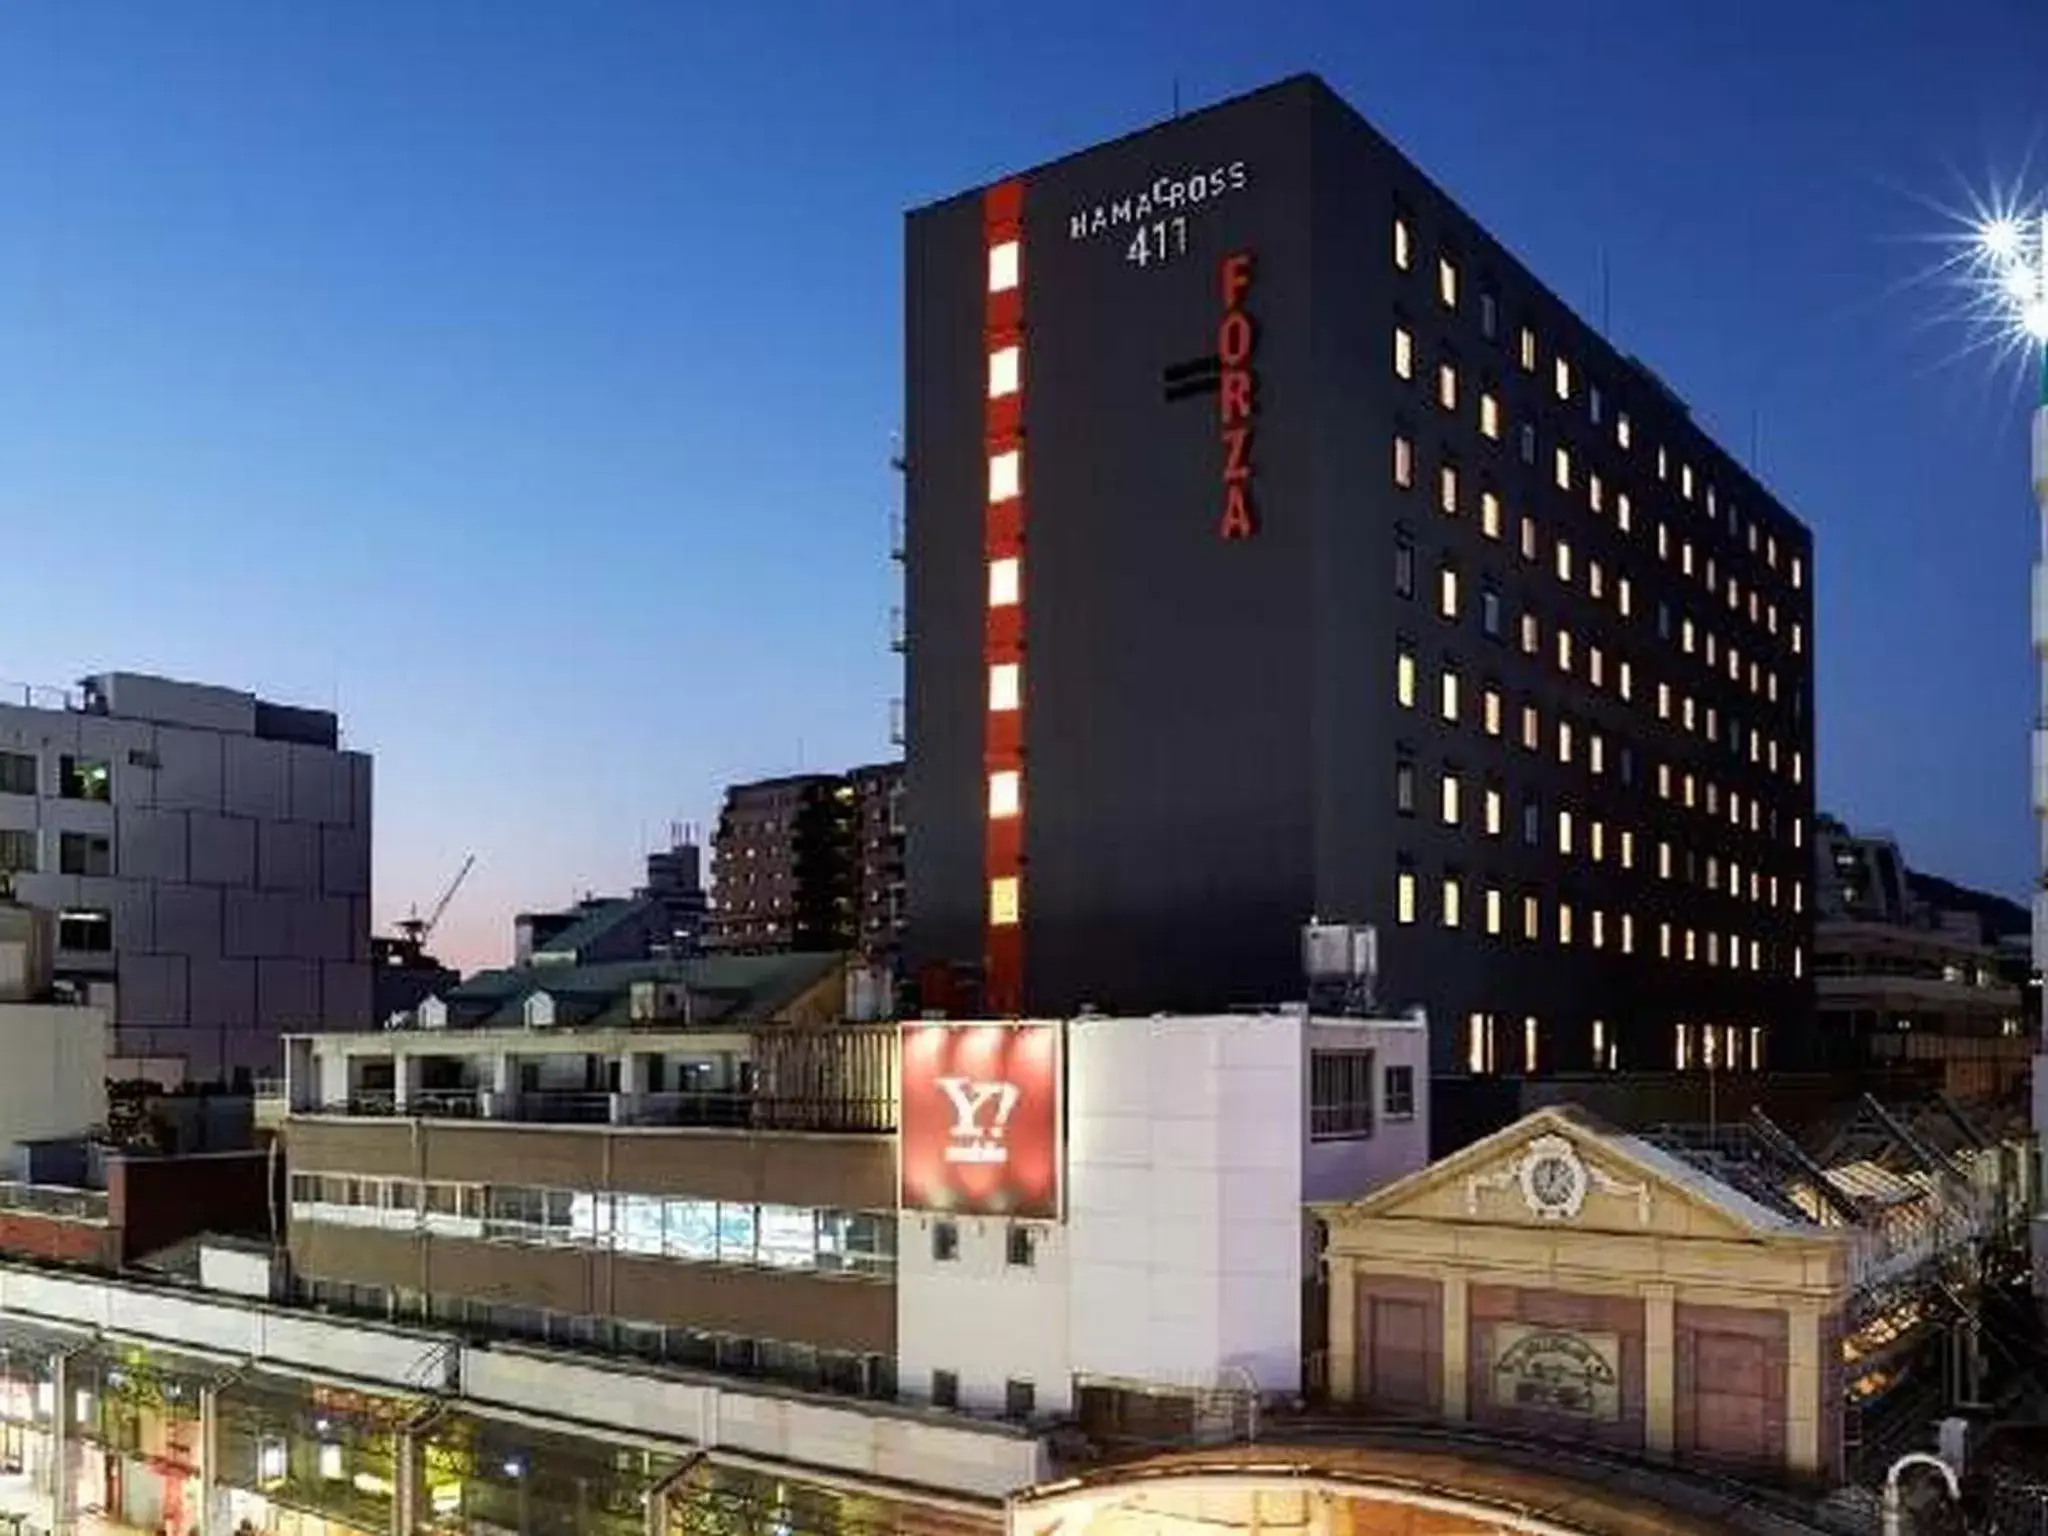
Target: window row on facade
{"type": "Point", "coordinates": [1498, 1043]}
{"type": "Point", "coordinates": [1570, 385]}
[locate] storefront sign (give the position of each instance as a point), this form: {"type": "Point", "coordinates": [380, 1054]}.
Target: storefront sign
{"type": "Point", "coordinates": [1237, 341]}
{"type": "Point", "coordinates": [981, 1119]}
{"type": "Point", "coordinates": [1548, 1370]}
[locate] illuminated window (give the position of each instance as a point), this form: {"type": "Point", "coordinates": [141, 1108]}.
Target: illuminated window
{"type": "Point", "coordinates": [1663, 701]}
{"type": "Point", "coordinates": [1404, 678]}
{"type": "Point", "coordinates": [1713, 723]}
{"type": "Point", "coordinates": [1529, 1034]}
{"type": "Point", "coordinates": [1404, 353]}
{"type": "Point", "coordinates": [1692, 952]}
{"type": "Point", "coordinates": [1479, 1043]}
{"type": "Point", "coordinates": [1681, 1046]}
{"type": "Point", "coordinates": [1624, 597]}
{"type": "Point", "coordinates": [1623, 433]}
{"type": "Point", "coordinates": [1685, 481]}
{"type": "Point", "coordinates": [1564, 924]}
{"type": "Point", "coordinates": [1596, 578]}
{"type": "Point", "coordinates": [1005, 793]}
{"type": "Point", "coordinates": [1489, 514]}
{"type": "Point", "coordinates": [1596, 753]}
{"type": "Point", "coordinates": [1626, 679]}
{"type": "Point", "coordinates": [1685, 635]}
{"type": "Point", "coordinates": [1404, 462]}
{"type": "Point", "coordinates": [1798, 963]}
{"type": "Point", "coordinates": [1664, 941]}
{"type": "Point", "coordinates": [1596, 841]}
{"type": "Point", "coordinates": [1489, 415]}
{"type": "Point", "coordinates": [1756, 1046]}
{"type": "Point", "coordinates": [1562, 379]}
{"type": "Point", "coordinates": [1663, 464]}
{"type": "Point", "coordinates": [1489, 711]}
{"type": "Point", "coordinates": [1564, 562]}
{"type": "Point", "coordinates": [1713, 948]}
{"type": "Point", "coordinates": [1532, 637]}
{"type": "Point", "coordinates": [1798, 895]}
{"type": "Point", "coordinates": [1532, 918]}
{"type": "Point", "coordinates": [1003, 371]}
{"type": "Point", "coordinates": [1596, 666]}
{"type": "Point", "coordinates": [1447, 282]}
{"type": "Point", "coordinates": [1003, 266]}
{"type": "Point", "coordinates": [1628, 933]}
{"type": "Point", "coordinates": [1447, 591]}
{"type": "Point", "coordinates": [1628, 849]}
{"type": "Point", "coordinates": [1489, 315]}
{"type": "Point", "coordinates": [1451, 800]}
{"type": "Point", "coordinates": [1564, 741]}
{"type": "Point", "coordinates": [1493, 910]}
{"type": "Point", "coordinates": [1528, 350]}
{"type": "Point", "coordinates": [1005, 687]}
{"type": "Point", "coordinates": [1562, 467]}
{"type": "Point", "coordinates": [1686, 713]}
{"type": "Point", "coordinates": [1005, 900]}
{"type": "Point", "coordinates": [1798, 638]}
{"type": "Point", "coordinates": [1404, 897]}
{"type": "Point", "coordinates": [1447, 489]}
{"type": "Point", "coordinates": [1005, 581]}
{"type": "Point", "coordinates": [1528, 538]}
{"type": "Point", "coordinates": [1663, 861]}
{"type": "Point", "coordinates": [1532, 732]}
{"type": "Point", "coordinates": [1596, 493]}
{"type": "Point", "coordinates": [1564, 650]}
{"type": "Point", "coordinates": [1798, 828]}
{"type": "Point", "coordinates": [1493, 811]}
{"type": "Point", "coordinates": [1798, 573]}
{"type": "Point", "coordinates": [1404, 249]}
{"type": "Point", "coordinates": [1447, 386]}
{"type": "Point", "coordinates": [1663, 542]}
{"type": "Point", "coordinates": [1598, 932]}
{"type": "Point", "coordinates": [1599, 1041]}
{"type": "Point", "coordinates": [1624, 512]}
{"type": "Point", "coordinates": [1771, 554]}
{"type": "Point", "coordinates": [1005, 475]}
{"type": "Point", "coordinates": [1564, 831]}
{"type": "Point", "coordinates": [1689, 787]}
{"type": "Point", "coordinates": [1449, 695]}
{"type": "Point", "coordinates": [1454, 901]}
{"type": "Point", "coordinates": [1663, 781]}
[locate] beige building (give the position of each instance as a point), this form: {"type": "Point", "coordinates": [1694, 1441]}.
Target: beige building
{"type": "Point", "coordinates": [1564, 1280]}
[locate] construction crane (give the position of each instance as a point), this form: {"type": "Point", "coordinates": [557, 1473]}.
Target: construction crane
{"type": "Point", "coordinates": [416, 930]}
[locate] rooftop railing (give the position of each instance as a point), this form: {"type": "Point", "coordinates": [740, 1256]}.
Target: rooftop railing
{"type": "Point", "coordinates": [54, 1200]}
{"type": "Point", "coordinates": [707, 1110]}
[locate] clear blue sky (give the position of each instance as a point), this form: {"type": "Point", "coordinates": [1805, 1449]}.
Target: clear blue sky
{"type": "Point", "coordinates": [519, 377]}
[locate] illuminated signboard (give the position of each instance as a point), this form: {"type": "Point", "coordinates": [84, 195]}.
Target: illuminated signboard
{"type": "Point", "coordinates": [1237, 340]}
{"type": "Point", "coordinates": [981, 1119]}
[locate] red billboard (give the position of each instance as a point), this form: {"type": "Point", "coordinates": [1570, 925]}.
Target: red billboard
{"type": "Point", "coordinates": [981, 1119]}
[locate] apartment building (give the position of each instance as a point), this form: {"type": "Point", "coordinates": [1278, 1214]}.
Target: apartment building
{"type": "Point", "coordinates": [1329, 567]}
{"type": "Point", "coordinates": [207, 856]}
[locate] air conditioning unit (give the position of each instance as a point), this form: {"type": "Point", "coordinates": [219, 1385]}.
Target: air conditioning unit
{"type": "Point", "coordinates": [539, 1010]}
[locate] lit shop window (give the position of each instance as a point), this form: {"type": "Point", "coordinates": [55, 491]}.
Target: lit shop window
{"type": "Point", "coordinates": [1447, 282]}
{"type": "Point", "coordinates": [1003, 266]}
{"type": "Point", "coordinates": [1005, 794]}
{"type": "Point", "coordinates": [1562, 379]}
{"type": "Point", "coordinates": [1404, 245]}
{"type": "Point", "coordinates": [1404, 462]}
{"type": "Point", "coordinates": [1005, 687]}
{"type": "Point", "coordinates": [1003, 371]}
{"type": "Point", "coordinates": [1404, 353]}
{"type": "Point", "coordinates": [1005, 475]}
{"type": "Point", "coordinates": [1005, 581]}
{"type": "Point", "coordinates": [1489, 415]}
{"type": "Point", "coordinates": [1447, 386]}
{"type": "Point", "coordinates": [1005, 901]}
{"type": "Point", "coordinates": [1404, 897]}
{"type": "Point", "coordinates": [1454, 896]}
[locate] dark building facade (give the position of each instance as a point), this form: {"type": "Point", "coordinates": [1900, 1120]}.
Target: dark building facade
{"type": "Point", "coordinates": [1280, 549]}
{"type": "Point", "coordinates": [675, 880]}
{"type": "Point", "coordinates": [879, 809]}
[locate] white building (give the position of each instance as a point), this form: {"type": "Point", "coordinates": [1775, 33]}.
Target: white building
{"type": "Point", "coordinates": [1182, 1249]}
{"type": "Point", "coordinates": [207, 854]}
{"type": "Point", "coordinates": [55, 1082]}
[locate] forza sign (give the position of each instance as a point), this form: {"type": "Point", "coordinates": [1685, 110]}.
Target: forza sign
{"type": "Point", "coordinates": [1237, 345]}
{"type": "Point", "coordinates": [980, 1122]}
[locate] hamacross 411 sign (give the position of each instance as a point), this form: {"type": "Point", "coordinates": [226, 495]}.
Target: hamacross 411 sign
{"type": "Point", "coordinates": [980, 1121]}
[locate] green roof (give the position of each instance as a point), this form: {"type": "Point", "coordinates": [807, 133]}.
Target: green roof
{"type": "Point", "coordinates": [722, 988]}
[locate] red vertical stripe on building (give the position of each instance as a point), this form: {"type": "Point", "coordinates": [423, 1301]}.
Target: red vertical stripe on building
{"type": "Point", "coordinates": [1002, 217]}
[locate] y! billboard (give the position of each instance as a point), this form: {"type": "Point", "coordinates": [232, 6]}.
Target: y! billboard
{"type": "Point", "coordinates": [981, 1119]}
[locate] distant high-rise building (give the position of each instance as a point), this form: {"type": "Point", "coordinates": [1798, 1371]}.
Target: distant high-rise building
{"type": "Point", "coordinates": [783, 867]}
{"type": "Point", "coordinates": [207, 855]}
{"type": "Point", "coordinates": [675, 880]}
{"type": "Point", "coordinates": [878, 803]}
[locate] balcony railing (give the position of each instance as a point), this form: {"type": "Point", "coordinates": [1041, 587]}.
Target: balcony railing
{"type": "Point", "coordinates": [703, 1111]}
{"type": "Point", "coordinates": [54, 1200]}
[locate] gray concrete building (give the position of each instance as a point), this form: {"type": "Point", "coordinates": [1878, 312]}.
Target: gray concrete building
{"type": "Point", "coordinates": [207, 854]}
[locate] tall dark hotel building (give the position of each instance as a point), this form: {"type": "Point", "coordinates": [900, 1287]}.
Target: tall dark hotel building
{"type": "Point", "coordinates": [1280, 549]}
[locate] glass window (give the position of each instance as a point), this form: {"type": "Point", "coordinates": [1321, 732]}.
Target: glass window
{"type": "Point", "coordinates": [1449, 700]}
{"type": "Point", "coordinates": [1447, 489]}
{"type": "Point", "coordinates": [1489, 415]}
{"type": "Point", "coordinates": [1447, 591]}
{"type": "Point", "coordinates": [1005, 901]}
{"type": "Point", "coordinates": [1527, 350]}
{"type": "Point", "coordinates": [1404, 353]}
{"type": "Point", "coordinates": [1447, 282]}
{"type": "Point", "coordinates": [84, 778]}
{"type": "Point", "coordinates": [787, 1236]}
{"type": "Point", "coordinates": [738, 1233]}
{"type": "Point", "coordinates": [1489, 514]}
{"type": "Point", "coordinates": [692, 1229]}
{"type": "Point", "coordinates": [1404, 897]}
{"type": "Point", "coordinates": [1004, 581]}
{"type": "Point", "coordinates": [1005, 475]}
{"type": "Point", "coordinates": [1005, 793]}
{"type": "Point", "coordinates": [1450, 799]}
{"type": "Point", "coordinates": [17, 773]}
{"type": "Point", "coordinates": [1404, 678]}
{"type": "Point", "coordinates": [1003, 371]}
{"type": "Point", "coordinates": [1404, 244]}
{"type": "Point", "coordinates": [1404, 787]}
{"type": "Point", "coordinates": [1404, 462]}
{"type": "Point", "coordinates": [1454, 895]}
{"type": "Point", "coordinates": [1447, 386]}
{"type": "Point", "coordinates": [1404, 568]}
{"type": "Point", "coordinates": [1562, 378]}
{"type": "Point", "coordinates": [639, 1223]}
{"type": "Point", "coordinates": [1005, 687]}
{"type": "Point", "coordinates": [1003, 266]}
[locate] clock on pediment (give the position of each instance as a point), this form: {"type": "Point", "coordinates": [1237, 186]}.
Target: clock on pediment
{"type": "Point", "coordinates": [1553, 1178]}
